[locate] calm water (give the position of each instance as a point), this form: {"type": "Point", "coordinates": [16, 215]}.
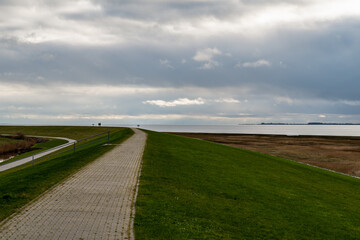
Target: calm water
{"type": "Point", "coordinates": [324, 130]}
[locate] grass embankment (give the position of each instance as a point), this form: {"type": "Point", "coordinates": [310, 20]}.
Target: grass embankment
{"type": "Point", "coordinates": [5, 140]}
{"type": "Point", "coordinates": [193, 189]}
{"type": "Point", "coordinates": [73, 132]}
{"type": "Point", "coordinates": [39, 147]}
{"type": "Point", "coordinates": [20, 185]}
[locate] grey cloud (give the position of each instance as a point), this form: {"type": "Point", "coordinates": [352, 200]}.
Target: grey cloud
{"type": "Point", "coordinates": [315, 64]}
{"type": "Point", "coordinates": [169, 10]}
{"type": "Point", "coordinates": [316, 67]}
{"type": "Point", "coordinates": [166, 63]}
{"type": "Point", "coordinates": [255, 64]}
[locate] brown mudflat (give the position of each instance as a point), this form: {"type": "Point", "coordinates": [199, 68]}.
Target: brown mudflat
{"type": "Point", "coordinates": [341, 154]}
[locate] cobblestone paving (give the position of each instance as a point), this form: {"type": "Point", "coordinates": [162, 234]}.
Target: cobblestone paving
{"type": "Point", "coordinates": [95, 203]}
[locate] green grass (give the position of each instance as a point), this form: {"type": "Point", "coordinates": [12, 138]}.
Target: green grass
{"type": "Point", "coordinates": [4, 140]}
{"type": "Point", "coordinates": [39, 147]}
{"type": "Point", "coordinates": [20, 185]}
{"type": "Point", "coordinates": [73, 132]}
{"type": "Point", "coordinates": [193, 189]}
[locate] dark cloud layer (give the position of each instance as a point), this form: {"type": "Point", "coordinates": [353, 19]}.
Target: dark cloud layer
{"type": "Point", "coordinates": [305, 65]}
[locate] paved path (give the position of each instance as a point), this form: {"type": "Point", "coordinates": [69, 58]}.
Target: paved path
{"type": "Point", "coordinates": [95, 203]}
{"type": "Point", "coordinates": [38, 155]}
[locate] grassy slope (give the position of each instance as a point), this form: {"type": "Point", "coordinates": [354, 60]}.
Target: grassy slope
{"type": "Point", "coordinates": [73, 132]}
{"type": "Point", "coordinates": [192, 189]}
{"type": "Point", "coordinates": [4, 140]}
{"type": "Point", "coordinates": [21, 185]}
{"type": "Point", "coordinates": [40, 147]}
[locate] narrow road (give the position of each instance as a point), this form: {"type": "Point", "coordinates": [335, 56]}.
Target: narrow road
{"type": "Point", "coordinates": [38, 155]}
{"type": "Point", "coordinates": [95, 203]}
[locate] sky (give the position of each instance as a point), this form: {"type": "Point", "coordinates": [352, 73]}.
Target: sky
{"type": "Point", "coordinates": [179, 62]}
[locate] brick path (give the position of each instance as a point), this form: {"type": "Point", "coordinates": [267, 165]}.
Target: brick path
{"type": "Point", "coordinates": [95, 203]}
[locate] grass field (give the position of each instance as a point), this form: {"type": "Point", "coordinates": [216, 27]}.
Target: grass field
{"type": "Point", "coordinates": [39, 147]}
{"type": "Point", "coordinates": [73, 132]}
{"type": "Point", "coordinates": [338, 153]}
{"type": "Point", "coordinates": [20, 185]}
{"type": "Point", "coordinates": [193, 189]}
{"type": "Point", "coordinates": [4, 140]}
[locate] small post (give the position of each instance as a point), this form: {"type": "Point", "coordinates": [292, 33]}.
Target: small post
{"type": "Point", "coordinates": [33, 160]}
{"type": "Point", "coordinates": [108, 137]}
{"type": "Point", "coordinates": [74, 147]}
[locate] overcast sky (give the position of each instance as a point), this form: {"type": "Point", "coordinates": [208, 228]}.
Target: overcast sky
{"type": "Point", "coordinates": [179, 62]}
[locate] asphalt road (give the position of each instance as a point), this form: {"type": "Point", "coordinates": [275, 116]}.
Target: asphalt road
{"type": "Point", "coordinates": [38, 155]}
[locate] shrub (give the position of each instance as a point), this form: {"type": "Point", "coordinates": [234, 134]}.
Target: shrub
{"type": "Point", "coordinates": [20, 135]}
{"type": "Point", "coordinates": [18, 147]}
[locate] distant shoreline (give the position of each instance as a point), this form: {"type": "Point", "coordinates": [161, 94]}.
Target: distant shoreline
{"type": "Point", "coordinates": [271, 129]}
{"type": "Point", "coordinates": [310, 123]}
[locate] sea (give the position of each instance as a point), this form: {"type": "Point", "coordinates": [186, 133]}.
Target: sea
{"type": "Point", "coordinates": [290, 130]}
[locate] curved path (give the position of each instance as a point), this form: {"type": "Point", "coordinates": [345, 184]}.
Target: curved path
{"type": "Point", "coordinates": [95, 203]}
{"type": "Point", "coordinates": [22, 161]}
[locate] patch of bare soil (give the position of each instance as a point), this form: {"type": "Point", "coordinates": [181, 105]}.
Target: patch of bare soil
{"type": "Point", "coordinates": [341, 154]}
